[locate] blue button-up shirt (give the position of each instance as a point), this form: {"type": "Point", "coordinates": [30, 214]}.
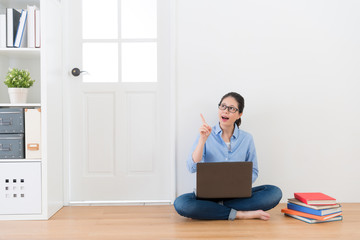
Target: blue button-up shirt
{"type": "Point", "coordinates": [216, 150]}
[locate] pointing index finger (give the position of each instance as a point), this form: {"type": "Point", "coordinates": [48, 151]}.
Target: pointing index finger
{"type": "Point", "coordinates": [202, 118]}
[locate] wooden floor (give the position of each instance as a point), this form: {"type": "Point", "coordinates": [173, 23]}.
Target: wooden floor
{"type": "Point", "coordinates": [162, 222]}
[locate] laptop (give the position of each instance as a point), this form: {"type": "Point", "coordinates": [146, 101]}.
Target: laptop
{"type": "Point", "coordinates": [219, 180]}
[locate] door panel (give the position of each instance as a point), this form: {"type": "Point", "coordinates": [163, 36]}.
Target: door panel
{"type": "Point", "coordinates": [99, 123]}
{"type": "Point", "coordinates": [142, 130]}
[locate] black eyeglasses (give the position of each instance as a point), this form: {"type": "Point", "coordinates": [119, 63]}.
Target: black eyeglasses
{"type": "Point", "coordinates": [230, 109]}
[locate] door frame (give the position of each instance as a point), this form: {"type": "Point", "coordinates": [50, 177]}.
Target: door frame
{"type": "Point", "coordinates": [66, 102]}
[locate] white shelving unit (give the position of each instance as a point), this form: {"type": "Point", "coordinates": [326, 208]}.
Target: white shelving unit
{"type": "Point", "coordinates": [38, 181]}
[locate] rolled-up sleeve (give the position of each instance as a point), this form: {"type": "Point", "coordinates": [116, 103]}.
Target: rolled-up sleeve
{"type": "Point", "coordinates": [191, 166]}
{"type": "Point", "coordinates": [251, 157]}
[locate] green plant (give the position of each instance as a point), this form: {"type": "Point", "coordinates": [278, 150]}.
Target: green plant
{"type": "Point", "coordinates": [17, 78]}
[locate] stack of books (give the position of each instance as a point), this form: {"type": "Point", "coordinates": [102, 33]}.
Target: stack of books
{"type": "Point", "coordinates": [313, 207]}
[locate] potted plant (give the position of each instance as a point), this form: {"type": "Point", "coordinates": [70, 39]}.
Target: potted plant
{"type": "Point", "coordinates": [18, 82]}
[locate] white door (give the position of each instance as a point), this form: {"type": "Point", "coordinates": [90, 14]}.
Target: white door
{"type": "Point", "coordinates": [118, 112]}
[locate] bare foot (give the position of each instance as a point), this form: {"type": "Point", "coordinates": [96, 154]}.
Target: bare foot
{"type": "Point", "coordinates": [253, 214]}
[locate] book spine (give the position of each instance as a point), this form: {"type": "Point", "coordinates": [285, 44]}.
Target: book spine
{"type": "Point", "coordinates": [308, 220]}
{"type": "Point", "coordinates": [307, 215]}
{"type": "Point", "coordinates": [31, 26]}
{"type": "Point", "coordinates": [301, 214]}
{"type": "Point", "coordinates": [304, 209]}
{"type": "Point", "coordinates": [37, 29]}
{"type": "Point", "coordinates": [9, 28]}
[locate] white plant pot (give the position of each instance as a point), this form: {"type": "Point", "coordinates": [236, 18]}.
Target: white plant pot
{"type": "Point", "coordinates": [18, 95]}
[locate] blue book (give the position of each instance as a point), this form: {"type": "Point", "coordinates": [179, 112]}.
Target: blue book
{"type": "Point", "coordinates": [320, 212]}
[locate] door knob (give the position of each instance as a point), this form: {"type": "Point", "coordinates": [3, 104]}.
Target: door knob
{"type": "Point", "coordinates": [76, 72]}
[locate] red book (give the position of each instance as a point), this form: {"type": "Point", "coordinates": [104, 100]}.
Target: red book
{"type": "Point", "coordinates": [315, 198]}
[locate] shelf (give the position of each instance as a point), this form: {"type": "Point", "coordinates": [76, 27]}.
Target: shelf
{"type": "Point", "coordinates": [20, 105]}
{"type": "Point", "coordinates": [19, 3]}
{"type": "Point", "coordinates": [20, 160]}
{"type": "Point", "coordinates": [20, 52]}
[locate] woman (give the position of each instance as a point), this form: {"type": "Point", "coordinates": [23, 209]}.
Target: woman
{"type": "Point", "coordinates": [226, 142]}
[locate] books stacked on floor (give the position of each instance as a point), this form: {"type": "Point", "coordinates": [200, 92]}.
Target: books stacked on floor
{"type": "Point", "coordinates": [313, 207]}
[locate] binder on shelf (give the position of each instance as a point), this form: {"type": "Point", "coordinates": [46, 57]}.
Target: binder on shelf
{"type": "Point", "coordinates": [37, 28]}
{"type": "Point", "coordinates": [20, 33]}
{"type": "Point", "coordinates": [2, 31]}
{"type": "Point", "coordinates": [33, 133]}
{"type": "Point", "coordinates": [31, 26]}
{"type": "Point", "coordinates": [12, 23]}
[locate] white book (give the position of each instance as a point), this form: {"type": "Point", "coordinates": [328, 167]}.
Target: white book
{"type": "Point", "coordinates": [31, 26]}
{"type": "Point", "coordinates": [33, 133]}
{"type": "Point", "coordinates": [2, 31]}
{"type": "Point", "coordinates": [37, 28]}
{"type": "Point", "coordinates": [21, 29]}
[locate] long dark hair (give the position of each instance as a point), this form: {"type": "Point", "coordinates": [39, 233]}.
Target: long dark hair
{"type": "Point", "coordinates": [241, 103]}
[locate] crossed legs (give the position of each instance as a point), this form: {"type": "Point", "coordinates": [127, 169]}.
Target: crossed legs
{"type": "Point", "coordinates": [263, 198]}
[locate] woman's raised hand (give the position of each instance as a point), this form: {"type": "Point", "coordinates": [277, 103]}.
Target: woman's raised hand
{"type": "Point", "coordinates": [205, 129]}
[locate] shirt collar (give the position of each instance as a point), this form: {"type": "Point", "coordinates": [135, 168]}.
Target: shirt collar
{"type": "Point", "coordinates": [235, 135]}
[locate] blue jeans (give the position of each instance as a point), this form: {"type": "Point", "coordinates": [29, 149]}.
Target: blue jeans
{"type": "Point", "coordinates": [263, 197]}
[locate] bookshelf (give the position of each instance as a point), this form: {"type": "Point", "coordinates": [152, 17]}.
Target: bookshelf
{"type": "Point", "coordinates": [43, 177]}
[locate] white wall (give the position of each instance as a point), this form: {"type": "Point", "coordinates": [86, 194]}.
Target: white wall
{"type": "Point", "coordinates": [297, 64]}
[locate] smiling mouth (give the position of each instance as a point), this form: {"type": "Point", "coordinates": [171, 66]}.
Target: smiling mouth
{"type": "Point", "coordinates": [224, 118]}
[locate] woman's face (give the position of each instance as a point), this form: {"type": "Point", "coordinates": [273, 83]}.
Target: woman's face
{"type": "Point", "coordinates": [227, 118]}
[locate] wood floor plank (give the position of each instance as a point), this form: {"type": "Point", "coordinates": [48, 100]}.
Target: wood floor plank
{"type": "Point", "coordinates": [162, 222]}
